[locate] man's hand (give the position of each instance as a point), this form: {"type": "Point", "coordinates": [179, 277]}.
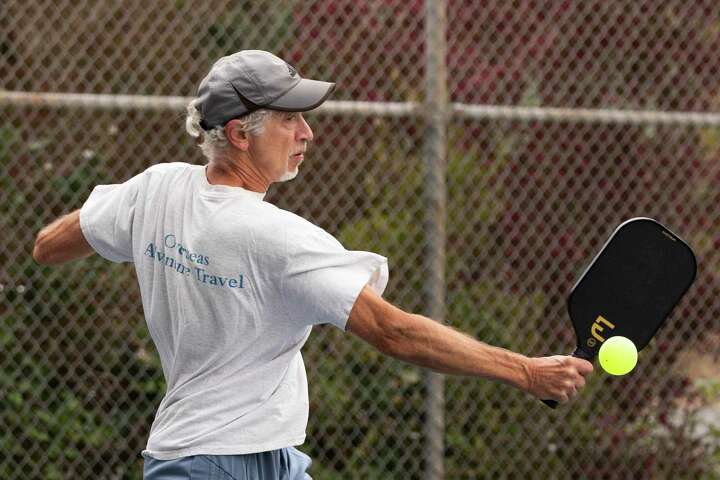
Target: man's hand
{"type": "Point", "coordinates": [556, 378]}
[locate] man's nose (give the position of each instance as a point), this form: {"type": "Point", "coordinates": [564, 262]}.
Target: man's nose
{"type": "Point", "coordinates": [305, 133]}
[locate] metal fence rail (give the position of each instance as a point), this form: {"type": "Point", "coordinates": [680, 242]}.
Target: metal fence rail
{"type": "Point", "coordinates": [380, 109]}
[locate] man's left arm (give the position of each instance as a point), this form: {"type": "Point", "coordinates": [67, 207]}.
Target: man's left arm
{"type": "Point", "coordinates": [61, 241]}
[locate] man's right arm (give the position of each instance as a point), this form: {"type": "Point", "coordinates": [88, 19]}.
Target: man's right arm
{"type": "Point", "coordinates": [426, 343]}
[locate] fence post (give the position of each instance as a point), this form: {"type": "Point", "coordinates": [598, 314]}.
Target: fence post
{"type": "Point", "coordinates": [435, 113]}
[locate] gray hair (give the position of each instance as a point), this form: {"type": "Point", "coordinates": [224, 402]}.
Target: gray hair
{"type": "Point", "coordinates": [214, 144]}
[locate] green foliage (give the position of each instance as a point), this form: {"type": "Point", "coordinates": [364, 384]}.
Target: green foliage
{"type": "Point", "coordinates": [54, 421]}
{"type": "Point", "coordinates": [72, 387]}
{"type": "Point", "coordinates": [236, 30]}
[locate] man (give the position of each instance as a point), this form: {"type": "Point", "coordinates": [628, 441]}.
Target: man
{"type": "Point", "coordinates": [231, 285]}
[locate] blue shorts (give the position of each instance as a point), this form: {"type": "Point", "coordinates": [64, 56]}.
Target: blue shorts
{"type": "Point", "coordinates": [283, 464]}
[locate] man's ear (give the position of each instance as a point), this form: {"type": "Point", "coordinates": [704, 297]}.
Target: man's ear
{"type": "Point", "coordinates": [235, 136]}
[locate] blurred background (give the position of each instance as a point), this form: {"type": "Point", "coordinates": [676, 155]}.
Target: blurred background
{"type": "Point", "coordinates": [487, 148]}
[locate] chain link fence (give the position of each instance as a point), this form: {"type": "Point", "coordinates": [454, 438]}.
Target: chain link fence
{"type": "Point", "coordinates": [565, 118]}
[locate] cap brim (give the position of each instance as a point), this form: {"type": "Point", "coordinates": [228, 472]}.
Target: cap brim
{"type": "Point", "coordinates": [306, 95]}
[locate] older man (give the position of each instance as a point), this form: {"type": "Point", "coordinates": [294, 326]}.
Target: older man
{"type": "Point", "coordinates": [232, 285]}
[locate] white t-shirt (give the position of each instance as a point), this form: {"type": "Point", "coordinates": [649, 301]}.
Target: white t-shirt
{"type": "Point", "coordinates": [231, 286]}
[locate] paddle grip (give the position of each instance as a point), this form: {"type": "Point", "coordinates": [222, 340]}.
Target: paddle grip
{"type": "Point", "coordinates": [578, 353]}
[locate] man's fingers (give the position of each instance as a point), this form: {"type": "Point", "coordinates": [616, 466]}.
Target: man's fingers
{"type": "Point", "coordinates": [560, 377]}
{"type": "Point", "coordinates": [583, 366]}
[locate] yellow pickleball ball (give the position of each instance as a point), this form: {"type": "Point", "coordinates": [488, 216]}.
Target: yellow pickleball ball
{"type": "Point", "coordinates": [618, 355]}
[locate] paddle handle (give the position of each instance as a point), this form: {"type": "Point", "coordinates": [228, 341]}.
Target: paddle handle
{"type": "Point", "coordinates": [578, 353]}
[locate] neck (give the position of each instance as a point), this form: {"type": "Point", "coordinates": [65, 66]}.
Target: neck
{"type": "Point", "coordinates": [240, 173]}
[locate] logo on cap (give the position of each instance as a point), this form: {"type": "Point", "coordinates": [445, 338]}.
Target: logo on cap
{"type": "Point", "coordinates": [292, 71]}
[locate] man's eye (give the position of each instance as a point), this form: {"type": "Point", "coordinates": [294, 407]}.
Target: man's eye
{"type": "Point", "coordinates": [291, 116]}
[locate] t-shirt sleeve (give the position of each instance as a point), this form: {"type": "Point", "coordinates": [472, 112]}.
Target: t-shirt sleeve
{"type": "Point", "coordinates": [322, 279]}
{"type": "Point", "coordinates": [106, 219]}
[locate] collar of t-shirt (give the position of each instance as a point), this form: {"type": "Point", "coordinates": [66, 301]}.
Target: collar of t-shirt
{"type": "Point", "coordinates": [225, 190]}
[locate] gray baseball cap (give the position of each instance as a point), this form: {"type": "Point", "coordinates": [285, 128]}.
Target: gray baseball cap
{"type": "Point", "coordinates": [249, 80]}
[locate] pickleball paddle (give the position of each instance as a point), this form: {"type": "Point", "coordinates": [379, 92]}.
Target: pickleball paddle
{"type": "Point", "coordinates": [630, 287]}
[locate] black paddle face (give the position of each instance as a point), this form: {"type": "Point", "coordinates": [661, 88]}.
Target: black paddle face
{"type": "Point", "coordinates": [631, 286]}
